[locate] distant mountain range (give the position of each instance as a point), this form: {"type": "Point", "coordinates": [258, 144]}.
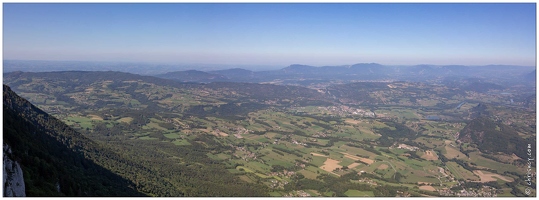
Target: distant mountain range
{"type": "Point", "coordinates": [293, 74]}
{"type": "Point", "coordinates": [362, 71]}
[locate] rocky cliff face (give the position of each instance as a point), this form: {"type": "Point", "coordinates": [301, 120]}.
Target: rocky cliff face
{"type": "Point", "coordinates": [13, 176]}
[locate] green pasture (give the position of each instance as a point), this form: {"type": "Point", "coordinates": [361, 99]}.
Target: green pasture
{"type": "Point", "coordinates": [357, 193]}
{"type": "Point", "coordinates": [459, 172]}
{"type": "Point", "coordinates": [147, 138]}
{"type": "Point", "coordinates": [488, 163]}
{"type": "Point", "coordinates": [84, 122]}
{"type": "Point", "coordinates": [181, 142]}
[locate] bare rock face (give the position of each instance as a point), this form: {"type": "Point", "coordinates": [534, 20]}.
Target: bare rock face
{"type": "Point", "coordinates": [13, 177]}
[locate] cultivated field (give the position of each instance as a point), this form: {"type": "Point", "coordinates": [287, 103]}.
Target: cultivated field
{"type": "Point", "coordinates": [430, 155]}
{"type": "Point", "coordinates": [330, 165]}
{"type": "Point", "coordinates": [487, 176]}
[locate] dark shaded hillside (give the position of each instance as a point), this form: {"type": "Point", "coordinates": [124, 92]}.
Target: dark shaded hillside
{"type": "Point", "coordinates": [492, 137]}
{"type": "Point", "coordinates": [53, 157]}
{"type": "Point", "coordinates": [481, 110]}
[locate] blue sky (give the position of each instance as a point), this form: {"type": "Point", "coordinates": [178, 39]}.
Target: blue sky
{"type": "Point", "coordinates": [273, 34]}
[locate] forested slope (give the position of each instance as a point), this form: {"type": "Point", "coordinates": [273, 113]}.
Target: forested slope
{"type": "Point", "coordinates": [53, 155]}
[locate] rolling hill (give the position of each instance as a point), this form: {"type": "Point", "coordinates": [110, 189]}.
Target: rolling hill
{"type": "Point", "coordinates": [493, 137]}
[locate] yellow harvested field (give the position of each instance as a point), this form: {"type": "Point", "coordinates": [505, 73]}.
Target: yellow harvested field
{"type": "Point", "coordinates": [88, 90]}
{"type": "Point", "coordinates": [95, 117]}
{"type": "Point", "coordinates": [430, 155]}
{"type": "Point", "coordinates": [219, 133]}
{"type": "Point", "coordinates": [353, 165]}
{"type": "Point", "coordinates": [317, 154]}
{"type": "Point", "coordinates": [488, 176]}
{"type": "Point", "coordinates": [366, 160]}
{"type": "Point", "coordinates": [330, 165]}
{"type": "Point", "coordinates": [427, 187]}
{"type": "Point", "coordinates": [352, 121]}
{"type": "Point", "coordinates": [206, 130]}
{"type": "Point", "coordinates": [126, 119]}
{"type": "Point", "coordinates": [223, 134]}
{"type": "Point", "coordinates": [383, 166]}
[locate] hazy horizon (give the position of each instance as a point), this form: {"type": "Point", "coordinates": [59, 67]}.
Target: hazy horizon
{"type": "Point", "coordinates": [273, 34]}
{"type": "Point", "coordinates": [256, 65]}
